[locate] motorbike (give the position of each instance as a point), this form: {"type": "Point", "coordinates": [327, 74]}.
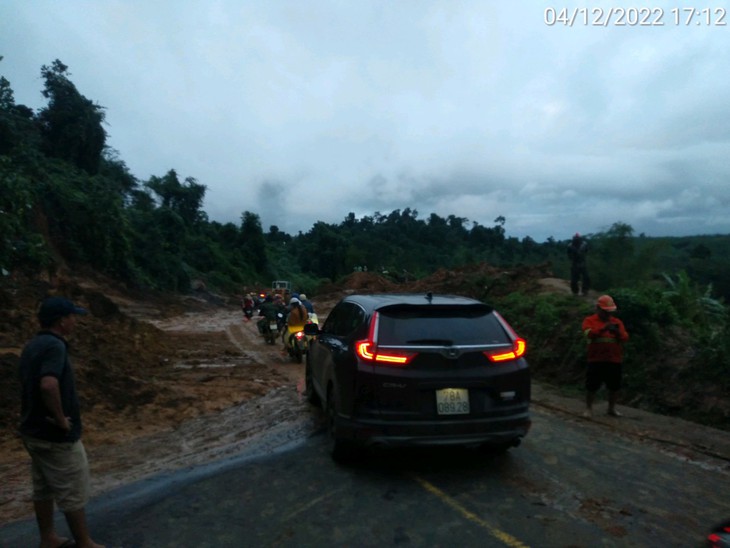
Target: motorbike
{"type": "Point", "coordinates": [280, 321]}
{"type": "Point", "coordinates": [298, 343]}
{"type": "Point", "coordinates": [269, 329]}
{"type": "Point", "coordinates": [248, 311]}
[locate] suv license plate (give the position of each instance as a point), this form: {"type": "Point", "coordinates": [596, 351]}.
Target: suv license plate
{"type": "Point", "coordinates": [452, 401]}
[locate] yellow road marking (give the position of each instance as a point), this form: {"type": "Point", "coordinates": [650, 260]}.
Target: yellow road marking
{"type": "Point", "coordinates": [506, 538]}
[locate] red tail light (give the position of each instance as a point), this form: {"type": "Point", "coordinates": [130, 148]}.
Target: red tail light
{"type": "Point", "coordinates": [299, 335]}
{"type": "Point", "coordinates": [519, 347]}
{"type": "Point", "coordinates": [367, 350]}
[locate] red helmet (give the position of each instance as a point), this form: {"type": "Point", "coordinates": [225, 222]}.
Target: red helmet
{"type": "Point", "coordinates": [606, 302]}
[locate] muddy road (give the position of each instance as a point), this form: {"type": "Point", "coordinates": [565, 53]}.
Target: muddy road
{"type": "Point", "coordinates": [253, 469]}
{"type": "Point", "coordinates": [573, 483]}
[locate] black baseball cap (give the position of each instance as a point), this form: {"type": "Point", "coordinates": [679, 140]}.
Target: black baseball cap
{"type": "Point", "coordinates": [53, 308]}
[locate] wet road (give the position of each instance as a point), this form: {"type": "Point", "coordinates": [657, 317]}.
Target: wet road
{"type": "Point", "coordinates": [571, 484]}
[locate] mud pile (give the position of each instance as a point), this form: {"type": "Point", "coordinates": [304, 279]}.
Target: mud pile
{"type": "Point", "coordinates": [480, 281]}
{"type": "Point", "coordinates": [111, 352]}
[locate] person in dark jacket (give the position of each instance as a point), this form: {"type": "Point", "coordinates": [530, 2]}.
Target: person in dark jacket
{"type": "Point", "coordinates": [267, 311]}
{"type": "Point", "coordinates": [50, 425]}
{"type": "Point", "coordinates": [306, 303]}
{"type": "Point", "coordinates": [577, 251]}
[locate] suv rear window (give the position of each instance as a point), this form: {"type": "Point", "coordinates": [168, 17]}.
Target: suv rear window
{"type": "Point", "coordinates": [440, 326]}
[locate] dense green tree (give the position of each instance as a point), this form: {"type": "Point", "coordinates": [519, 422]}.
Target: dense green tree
{"type": "Point", "coordinates": [700, 252]}
{"type": "Point", "coordinates": [253, 243]}
{"type": "Point", "coordinates": [276, 237]}
{"type": "Point", "coordinates": [71, 124]}
{"type": "Point", "coordinates": [20, 244]}
{"type": "Point", "coordinates": [322, 251]}
{"type": "Point", "coordinates": [185, 199]}
{"type": "Point", "coordinates": [617, 258]}
{"type": "Point", "coordinates": [117, 174]}
{"type": "Point", "coordinates": [488, 239]}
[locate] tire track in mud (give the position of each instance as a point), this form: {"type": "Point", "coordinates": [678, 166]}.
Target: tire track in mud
{"type": "Point", "coordinates": [237, 335]}
{"type": "Point", "coordinates": [245, 336]}
{"type": "Point", "coordinates": [263, 424]}
{"type": "Point", "coordinates": [266, 423]}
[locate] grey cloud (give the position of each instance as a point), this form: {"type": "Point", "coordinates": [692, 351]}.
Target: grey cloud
{"type": "Point", "coordinates": [307, 111]}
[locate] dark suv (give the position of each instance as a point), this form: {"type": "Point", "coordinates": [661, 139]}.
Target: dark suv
{"type": "Point", "coordinates": [418, 369]}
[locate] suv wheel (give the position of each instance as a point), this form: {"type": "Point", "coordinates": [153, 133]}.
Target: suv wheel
{"type": "Point", "coordinates": [341, 450]}
{"type": "Point", "coordinates": [309, 391]}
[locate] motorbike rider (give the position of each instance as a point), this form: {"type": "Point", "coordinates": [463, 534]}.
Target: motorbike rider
{"type": "Point", "coordinates": [281, 312]}
{"type": "Point", "coordinates": [268, 311]}
{"type": "Point", "coordinates": [307, 304]}
{"type": "Point", "coordinates": [247, 305]}
{"type": "Point", "coordinates": [298, 316]}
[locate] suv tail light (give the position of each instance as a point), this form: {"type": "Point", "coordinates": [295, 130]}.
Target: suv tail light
{"type": "Point", "coordinates": [368, 349]}
{"type": "Point", "coordinates": [519, 346]}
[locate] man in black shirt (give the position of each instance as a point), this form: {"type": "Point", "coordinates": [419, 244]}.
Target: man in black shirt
{"type": "Point", "coordinates": [50, 425]}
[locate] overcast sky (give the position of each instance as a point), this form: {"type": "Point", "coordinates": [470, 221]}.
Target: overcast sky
{"type": "Point", "coordinates": [306, 110]}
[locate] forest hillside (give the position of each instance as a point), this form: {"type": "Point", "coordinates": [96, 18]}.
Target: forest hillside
{"type": "Point", "coordinates": [70, 211]}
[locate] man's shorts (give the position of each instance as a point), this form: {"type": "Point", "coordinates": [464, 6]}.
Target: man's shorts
{"type": "Point", "coordinates": [603, 372]}
{"type": "Point", "coordinates": [60, 472]}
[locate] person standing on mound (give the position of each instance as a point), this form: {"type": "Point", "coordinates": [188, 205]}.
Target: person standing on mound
{"type": "Point", "coordinates": [580, 281]}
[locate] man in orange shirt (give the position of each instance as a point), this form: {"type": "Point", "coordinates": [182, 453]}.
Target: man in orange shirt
{"type": "Point", "coordinates": [605, 335]}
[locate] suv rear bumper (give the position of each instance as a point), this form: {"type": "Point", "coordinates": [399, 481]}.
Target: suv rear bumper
{"type": "Point", "coordinates": [496, 430]}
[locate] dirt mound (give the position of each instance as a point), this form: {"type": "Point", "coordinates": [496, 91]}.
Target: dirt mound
{"type": "Point", "coordinates": [359, 282]}
{"type": "Point", "coordinates": [482, 281]}
{"type": "Point", "coordinates": [111, 351]}
{"type": "Point", "coordinates": [479, 281]}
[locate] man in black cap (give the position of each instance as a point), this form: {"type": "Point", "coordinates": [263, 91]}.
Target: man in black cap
{"type": "Point", "coordinates": [50, 425]}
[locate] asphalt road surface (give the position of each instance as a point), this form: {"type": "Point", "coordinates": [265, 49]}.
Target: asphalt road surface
{"type": "Point", "coordinates": [572, 483]}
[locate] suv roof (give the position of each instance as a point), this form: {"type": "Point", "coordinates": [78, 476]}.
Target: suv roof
{"type": "Point", "coordinates": [377, 301]}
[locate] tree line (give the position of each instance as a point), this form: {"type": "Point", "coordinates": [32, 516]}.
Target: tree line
{"type": "Point", "coordinates": [66, 197]}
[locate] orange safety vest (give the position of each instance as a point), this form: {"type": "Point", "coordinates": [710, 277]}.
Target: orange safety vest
{"type": "Point", "coordinates": [604, 345]}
